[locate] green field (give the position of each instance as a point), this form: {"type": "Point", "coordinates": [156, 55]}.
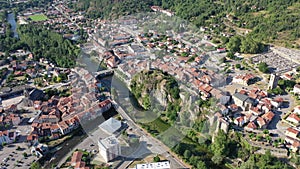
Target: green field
{"type": "Point", "coordinates": [38, 17]}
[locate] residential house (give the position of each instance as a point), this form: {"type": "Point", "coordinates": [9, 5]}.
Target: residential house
{"type": "Point", "coordinates": [32, 137]}
{"type": "Point", "coordinates": [76, 157]}
{"type": "Point", "coordinates": [255, 111]}
{"type": "Point", "coordinates": [261, 122]}
{"type": "Point", "coordinates": [64, 128]}
{"type": "Point", "coordinates": [243, 79]}
{"type": "Point", "coordinates": [112, 62]}
{"type": "Point", "coordinates": [240, 121]}
{"type": "Point", "coordinates": [296, 89]}
{"type": "Point", "coordinates": [251, 126]}
{"type": "Point", "coordinates": [221, 50]}
{"type": "Point", "coordinates": [295, 146]}
{"type": "Point", "coordinates": [222, 124]}
{"type": "Point", "coordinates": [224, 110]}
{"type": "Point", "coordinates": [268, 117]}
{"type": "Point", "coordinates": [54, 128]}
{"type": "Point", "coordinates": [294, 118]}
{"type": "Point", "coordinates": [297, 110]}
{"type": "Point", "coordinates": [233, 108]}
{"type": "Point", "coordinates": [292, 133]}
{"type": "Point", "coordinates": [242, 101]}
{"type": "Point", "coordinates": [277, 102]}
{"type": "Point", "coordinates": [104, 106]}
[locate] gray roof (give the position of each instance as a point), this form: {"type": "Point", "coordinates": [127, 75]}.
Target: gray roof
{"type": "Point", "coordinates": [36, 94]}
{"type": "Point", "coordinates": [240, 96]}
{"type": "Point", "coordinates": [224, 99]}
{"type": "Point", "coordinates": [110, 126]}
{"type": "Point", "coordinates": [250, 100]}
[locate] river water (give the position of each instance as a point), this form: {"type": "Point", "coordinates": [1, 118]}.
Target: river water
{"type": "Point", "coordinates": [11, 19]}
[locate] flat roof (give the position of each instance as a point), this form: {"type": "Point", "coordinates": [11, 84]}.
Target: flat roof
{"type": "Point", "coordinates": [109, 142]}
{"type": "Point", "coordinates": [158, 165]}
{"type": "Point", "coordinates": [111, 125]}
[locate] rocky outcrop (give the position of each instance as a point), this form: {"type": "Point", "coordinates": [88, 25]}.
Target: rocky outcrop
{"type": "Point", "coordinates": [154, 84]}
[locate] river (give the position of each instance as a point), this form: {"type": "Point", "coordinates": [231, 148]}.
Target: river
{"type": "Point", "coordinates": [12, 21]}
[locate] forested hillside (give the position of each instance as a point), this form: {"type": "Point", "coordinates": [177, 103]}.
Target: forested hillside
{"type": "Point", "coordinates": [47, 44]}
{"type": "Point", "coordinates": [266, 20]}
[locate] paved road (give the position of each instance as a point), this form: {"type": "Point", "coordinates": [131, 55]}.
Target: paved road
{"type": "Point", "coordinates": [58, 85]}
{"type": "Point", "coordinates": [160, 148]}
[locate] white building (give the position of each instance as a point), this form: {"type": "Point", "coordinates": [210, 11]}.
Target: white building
{"type": "Point", "coordinates": [158, 165]}
{"type": "Point", "coordinates": [297, 89]}
{"type": "Point", "coordinates": [109, 148]}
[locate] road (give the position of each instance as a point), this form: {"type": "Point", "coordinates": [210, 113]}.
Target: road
{"type": "Point", "coordinates": [160, 147]}
{"type": "Point", "coordinates": [58, 85]}
{"type": "Point", "coordinates": [62, 12]}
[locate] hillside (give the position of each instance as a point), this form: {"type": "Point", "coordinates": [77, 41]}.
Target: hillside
{"type": "Point", "coordinates": [147, 85]}
{"type": "Point", "coordinates": [267, 21]}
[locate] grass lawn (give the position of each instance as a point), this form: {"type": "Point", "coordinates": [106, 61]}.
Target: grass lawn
{"type": "Point", "coordinates": [157, 126]}
{"type": "Point", "coordinates": [38, 17]}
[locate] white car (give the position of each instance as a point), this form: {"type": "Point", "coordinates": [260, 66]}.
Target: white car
{"type": "Point", "coordinates": [5, 159]}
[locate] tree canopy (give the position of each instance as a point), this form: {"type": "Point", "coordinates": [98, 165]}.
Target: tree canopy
{"type": "Point", "coordinates": [47, 44]}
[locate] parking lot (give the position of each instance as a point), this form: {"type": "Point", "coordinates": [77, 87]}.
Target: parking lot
{"type": "Point", "coordinates": [12, 155]}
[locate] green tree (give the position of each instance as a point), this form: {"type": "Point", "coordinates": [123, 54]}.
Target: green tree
{"type": "Point", "coordinates": [230, 55]}
{"type": "Point", "coordinates": [238, 66]}
{"type": "Point", "coordinates": [234, 44]}
{"type": "Point", "coordinates": [187, 154]}
{"type": "Point", "coordinates": [35, 165]}
{"type": "Point", "coordinates": [265, 131]}
{"type": "Point", "coordinates": [25, 154]}
{"type": "Point", "coordinates": [201, 165]}
{"type": "Point", "coordinates": [156, 159]}
{"type": "Point", "coordinates": [248, 45]}
{"type": "Point", "coordinates": [220, 144]}
{"type": "Point", "coordinates": [263, 67]}
{"type": "Point", "coordinates": [217, 159]}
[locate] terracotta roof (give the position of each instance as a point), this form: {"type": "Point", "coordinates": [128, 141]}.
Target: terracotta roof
{"type": "Point", "coordinates": [294, 116]}
{"type": "Point", "coordinates": [63, 125]}
{"type": "Point", "coordinates": [32, 137]}
{"type": "Point", "coordinates": [296, 144]}
{"type": "Point", "coordinates": [261, 121]}
{"type": "Point", "coordinates": [292, 130]}
{"type": "Point", "coordinates": [54, 127]}
{"type": "Point", "coordinates": [268, 116]}
{"type": "Point", "coordinates": [233, 106]}
{"type": "Point", "coordinates": [104, 103]}
{"type": "Point", "coordinates": [76, 157]}
{"type": "Point", "coordinates": [278, 99]}
{"type": "Point", "coordinates": [251, 125]}
{"type": "Point", "coordinates": [80, 164]}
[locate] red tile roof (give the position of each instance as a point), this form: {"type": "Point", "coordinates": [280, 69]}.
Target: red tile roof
{"type": "Point", "coordinates": [292, 130]}
{"type": "Point", "coordinates": [294, 116]}
{"type": "Point", "coordinates": [251, 125]}
{"type": "Point", "coordinates": [76, 157]}
{"type": "Point", "coordinates": [268, 116]}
